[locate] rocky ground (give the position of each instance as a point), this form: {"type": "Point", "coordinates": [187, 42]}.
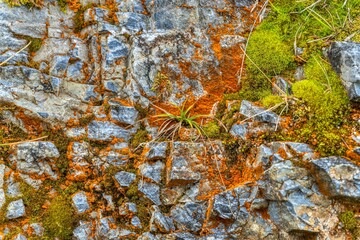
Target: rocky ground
{"type": "Point", "coordinates": [81, 156]}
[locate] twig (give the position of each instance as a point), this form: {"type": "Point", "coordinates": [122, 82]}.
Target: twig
{"type": "Point", "coordinates": [13, 55]}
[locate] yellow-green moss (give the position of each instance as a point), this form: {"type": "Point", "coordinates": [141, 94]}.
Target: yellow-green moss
{"type": "Point", "coordinates": [140, 136]}
{"type": "Point", "coordinates": [33, 200]}
{"type": "Point", "coordinates": [86, 119]}
{"type": "Point", "coordinates": [28, 3]}
{"type": "Point", "coordinates": [211, 129]}
{"type": "Point", "coordinates": [348, 220]}
{"type": "Point", "coordinates": [271, 100]}
{"type": "Point", "coordinates": [58, 219]}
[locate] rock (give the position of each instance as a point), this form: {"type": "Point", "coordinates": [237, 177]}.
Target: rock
{"type": "Point", "coordinates": [135, 221]}
{"type": "Point", "coordinates": [2, 174]}
{"type": "Point", "coordinates": [15, 209]}
{"type": "Point", "coordinates": [160, 222]}
{"type": "Point", "coordinates": [37, 229]}
{"type": "Point", "coordinates": [189, 217]}
{"type": "Point", "coordinates": [249, 110]}
{"type": "Point", "coordinates": [246, 130]}
{"type": "Point", "coordinates": [152, 171]}
{"type": "Point", "coordinates": [155, 150]}
{"type": "Point", "coordinates": [33, 151]}
{"type": "Point", "coordinates": [83, 231]}
{"type": "Point", "coordinates": [180, 172]}
{"type": "Point", "coordinates": [338, 177]}
{"type": "Point", "coordinates": [105, 131]}
{"type": "Point", "coordinates": [231, 204]}
{"type": "Point", "coordinates": [2, 198]}
{"type": "Point", "coordinates": [125, 179]}
{"type": "Point", "coordinates": [170, 196]}
{"type": "Point", "coordinates": [295, 203]}
{"type": "Point", "coordinates": [80, 202]}
{"type": "Point", "coordinates": [124, 114]}
{"type": "Point", "coordinates": [59, 65]}
{"type": "Point", "coordinates": [345, 60]}
{"type": "Point", "coordinates": [259, 203]}
{"type": "Point", "coordinates": [20, 237]}
{"type": "Point", "coordinates": [127, 209]}
{"type": "Point", "coordinates": [151, 191]}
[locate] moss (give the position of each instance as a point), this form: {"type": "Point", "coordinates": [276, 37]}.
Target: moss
{"type": "Point", "coordinates": [28, 3]}
{"type": "Point", "coordinates": [162, 85]}
{"type": "Point", "coordinates": [271, 100]}
{"type": "Point", "coordinates": [63, 5]}
{"type": "Point", "coordinates": [143, 112]}
{"type": "Point", "coordinates": [267, 50]}
{"type": "Point", "coordinates": [140, 136]}
{"type": "Point", "coordinates": [211, 129]}
{"type": "Point", "coordinates": [133, 193]}
{"type": "Point", "coordinates": [35, 44]}
{"type": "Point", "coordinates": [33, 199]}
{"type": "Point", "coordinates": [58, 220]}
{"type": "Point", "coordinates": [79, 22]}
{"type": "Point", "coordinates": [348, 220]}
{"type": "Point", "coordinates": [85, 120]}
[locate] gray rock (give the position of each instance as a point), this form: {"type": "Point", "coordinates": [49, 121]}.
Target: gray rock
{"type": "Point", "coordinates": [189, 217]}
{"type": "Point", "coordinates": [2, 174]}
{"type": "Point", "coordinates": [231, 204]}
{"type": "Point", "coordinates": [155, 150]}
{"type": "Point", "coordinates": [135, 221]}
{"type": "Point", "coordinates": [152, 171]}
{"type": "Point", "coordinates": [37, 229]}
{"type": "Point", "coordinates": [83, 231]}
{"type": "Point", "coordinates": [15, 209]}
{"type": "Point", "coordinates": [33, 151]}
{"type": "Point", "coordinates": [339, 177]}
{"type": "Point", "coordinates": [151, 191]}
{"type": "Point", "coordinates": [250, 110]}
{"type": "Point", "coordinates": [180, 172]}
{"type": "Point", "coordinates": [125, 179]}
{"type": "Point", "coordinates": [259, 203]}
{"type": "Point", "coordinates": [105, 131]}
{"type": "Point", "coordinates": [127, 208]}
{"type": "Point", "coordinates": [59, 65]}
{"type": "Point", "coordinates": [345, 59]}
{"type": "Point", "coordinates": [80, 202]}
{"type": "Point", "coordinates": [20, 237]}
{"type": "Point", "coordinates": [160, 222]}
{"type": "Point", "coordinates": [124, 114]}
{"type": "Point", "coordinates": [2, 198]}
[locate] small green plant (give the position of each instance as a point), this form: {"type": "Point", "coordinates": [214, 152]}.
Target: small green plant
{"type": "Point", "coordinates": [212, 129]}
{"type": "Point", "coordinates": [140, 137]}
{"type": "Point", "coordinates": [174, 122]}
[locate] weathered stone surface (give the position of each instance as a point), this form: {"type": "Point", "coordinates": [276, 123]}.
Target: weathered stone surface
{"type": "Point", "coordinates": [127, 208]}
{"type": "Point", "coordinates": [83, 231]}
{"type": "Point", "coordinates": [188, 217]}
{"type": "Point", "coordinates": [295, 203]}
{"type": "Point", "coordinates": [155, 150]}
{"type": "Point", "coordinates": [80, 202]}
{"type": "Point", "coordinates": [160, 222]}
{"type": "Point", "coordinates": [231, 204]}
{"type": "Point", "coordinates": [152, 171]}
{"type": "Point", "coordinates": [250, 110]}
{"type": "Point", "coordinates": [124, 114]}
{"type": "Point", "coordinates": [15, 209]}
{"type": "Point", "coordinates": [2, 197]}
{"type": "Point", "coordinates": [151, 191]}
{"type": "Point", "coordinates": [338, 177]}
{"type": "Point", "coordinates": [125, 179]}
{"type": "Point", "coordinates": [345, 59]}
{"type": "Point", "coordinates": [32, 151]}
{"type": "Point", "coordinates": [105, 131]}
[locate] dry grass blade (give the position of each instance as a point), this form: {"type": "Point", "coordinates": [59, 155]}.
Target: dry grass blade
{"type": "Point", "coordinates": [12, 56]}
{"type": "Point", "coordinates": [30, 140]}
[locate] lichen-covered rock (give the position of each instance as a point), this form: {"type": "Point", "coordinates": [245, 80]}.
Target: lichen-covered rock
{"type": "Point", "coordinates": [15, 209]}
{"type": "Point", "coordinates": [338, 177]}
{"type": "Point", "coordinates": [345, 59]}
{"type": "Point", "coordinates": [83, 231]}
{"type": "Point", "coordinates": [80, 202]}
